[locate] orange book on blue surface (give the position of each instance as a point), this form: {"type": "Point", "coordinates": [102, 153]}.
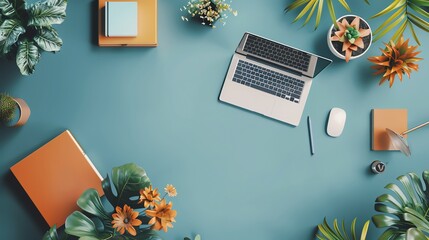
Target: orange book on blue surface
{"type": "Point", "coordinates": [395, 119]}
{"type": "Point", "coordinates": [55, 175]}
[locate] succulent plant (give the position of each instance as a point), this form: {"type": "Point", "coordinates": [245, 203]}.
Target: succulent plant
{"type": "Point", "coordinates": [350, 34]}
{"type": "Point", "coordinates": [7, 108]}
{"type": "Point", "coordinates": [397, 59]}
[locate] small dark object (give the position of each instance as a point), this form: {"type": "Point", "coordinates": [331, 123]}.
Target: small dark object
{"type": "Point", "coordinates": [378, 167]}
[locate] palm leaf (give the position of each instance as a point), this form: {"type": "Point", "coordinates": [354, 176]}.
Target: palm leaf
{"type": "Point", "coordinates": [328, 233]}
{"type": "Point", "coordinates": [48, 40]}
{"type": "Point", "coordinates": [43, 15]}
{"type": "Point", "coordinates": [410, 13]}
{"type": "Point", "coordinates": [27, 57]}
{"type": "Point", "coordinates": [10, 30]}
{"type": "Point", "coordinates": [406, 210]}
{"type": "Point", "coordinates": [311, 5]}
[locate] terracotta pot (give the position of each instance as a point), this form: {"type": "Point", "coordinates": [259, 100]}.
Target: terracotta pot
{"type": "Point", "coordinates": [24, 112]}
{"type": "Point", "coordinates": [361, 52]}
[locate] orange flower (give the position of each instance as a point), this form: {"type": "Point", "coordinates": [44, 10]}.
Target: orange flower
{"type": "Point", "coordinates": [149, 196]}
{"type": "Point", "coordinates": [125, 219]}
{"type": "Point", "coordinates": [170, 190]}
{"type": "Point", "coordinates": [162, 216]}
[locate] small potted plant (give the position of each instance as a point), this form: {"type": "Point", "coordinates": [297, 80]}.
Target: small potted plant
{"type": "Point", "coordinates": [350, 37]}
{"type": "Point", "coordinates": [208, 11]}
{"type": "Point", "coordinates": [8, 108]}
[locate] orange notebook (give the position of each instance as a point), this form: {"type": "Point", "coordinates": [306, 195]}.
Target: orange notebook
{"type": "Point", "coordinates": [147, 35]}
{"type": "Point", "coordinates": [55, 175]}
{"type": "Point", "coordinates": [395, 119]}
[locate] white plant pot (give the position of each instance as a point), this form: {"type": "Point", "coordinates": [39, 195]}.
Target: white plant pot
{"type": "Point", "coordinates": [332, 48]}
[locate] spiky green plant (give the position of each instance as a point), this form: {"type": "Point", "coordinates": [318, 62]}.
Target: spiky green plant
{"type": "Point", "coordinates": [335, 233]}
{"type": "Point", "coordinates": [405, 214]}
{"type": "Point", "coordinates": [404, 14]}
{"type": "Point", "coordinates": [310, 7]}
{"type": "Point", "coordinates": [7, 108]}
{"type": "Point", "coordinates": [26, 30]}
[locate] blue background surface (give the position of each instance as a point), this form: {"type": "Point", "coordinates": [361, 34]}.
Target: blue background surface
{"type": "Point", "coordinates": [239, 175]}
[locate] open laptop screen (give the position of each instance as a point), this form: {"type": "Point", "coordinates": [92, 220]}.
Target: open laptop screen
{"type": "Point", "coordinates": [291, 58]}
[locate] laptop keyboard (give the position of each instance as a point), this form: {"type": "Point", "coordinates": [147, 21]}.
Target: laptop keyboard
{"type": "Point", "coordinates": [268, 81]}
{"type": "Point", "coordinates": [277, 52]}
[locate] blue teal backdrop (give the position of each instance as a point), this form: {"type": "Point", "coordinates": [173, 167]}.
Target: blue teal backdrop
{"type": "Point", "coordinates": [239, 175]}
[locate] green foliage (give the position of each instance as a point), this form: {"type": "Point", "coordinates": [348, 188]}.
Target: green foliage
{"type": "Point", "coordinates": [27, 30]}
{"type": "Point", "coordinates": [7, 108]}
{"type": "Point", "coordinates": [309, 7]}
{"type": "Point", "coordinates": [352, 34]}
{"type": "Point", "coordinates": [198, 237]}
{"type": "Point", "coordinates": [335, 233]}
{"type": "Point", "coordinates": [404, 14]}
{"type": "Point", "coordinates": [127, 181]}
{"type": "Point", "coordinates": [405, 214]}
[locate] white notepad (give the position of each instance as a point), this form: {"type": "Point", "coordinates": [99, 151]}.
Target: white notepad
{"type": "Point", "coordinates": [121, 19]}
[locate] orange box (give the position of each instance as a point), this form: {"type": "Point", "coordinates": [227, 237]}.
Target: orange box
{"type": "Point", "coordinates": [147, 26]}
{"type": "Point", "coordinates": [395, 119]}
{"type": "Point", "coordinates": [55, 175]}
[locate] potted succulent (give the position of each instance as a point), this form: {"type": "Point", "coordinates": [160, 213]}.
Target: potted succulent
{"type": "Point", "coordinates": [8, 108]}
{"type": "Point", "coordinates": [26, 30]}
{"type": "Point", "coordinates": [208, 11]}
{"type": "Point", "coordinates": [350, 37]}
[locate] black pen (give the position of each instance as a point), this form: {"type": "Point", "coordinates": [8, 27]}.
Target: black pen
{"type": "Point", "coordinates": [310, 134]}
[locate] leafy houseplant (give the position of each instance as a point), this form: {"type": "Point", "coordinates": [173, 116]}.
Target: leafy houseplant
{"type": "Point", "coordinates": [26, 30]}
{"type": "Point", "coordinates": [7, 108]}
{"type": "Point", "coordinates": [335, 233]}
{"type": "Point", "coordinates": [208, 11]}
{"type": "Point", "coordinates": [133, 190]}
{"type": "Point", "coordinates": [350, 38]}
{"type": "Point", "coordinates": [396, 59]}
{"type": "Point", "coordinates": [313, 4]}
{"type": "Point", "coordinates": [405, 214]}
{"type": "Point", "coordinates": [404, 14]}
{"type": "Point", "coordinates": [197, 237]}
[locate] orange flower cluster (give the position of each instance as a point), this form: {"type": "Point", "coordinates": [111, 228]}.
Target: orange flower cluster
{"type": "Point", "coordinates": [162, 215]}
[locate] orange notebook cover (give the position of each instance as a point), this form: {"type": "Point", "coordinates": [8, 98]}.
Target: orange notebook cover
{"type": "Point", "coordinates": [55, 175]}
{"type": "Point", "coordinates": [147, 35]}
{"type": "Point", "coordinates": [395, 119]}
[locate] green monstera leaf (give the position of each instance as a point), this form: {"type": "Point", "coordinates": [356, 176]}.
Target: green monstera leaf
{"type": "Point", "coordinates": [79, 225]}
{"type": "Point", "coordinates": [11, 8]}
{"type": "Point", "coordinates": [10, 30]}
{"type": "Point", "coordinates": [27, 57]}
{"type": "Point", "coordinates": [44, 15]}
{"type": "Point", "coordinates": [48, 40]}
{"type": "Point", "coordinates": [90, 202]}
{"type": "Point", "coordinates": [51, 234]}
{"type": "Point", "coordinates": [405, 213]}
{"type": "Point", "coordinates": [127, 180]}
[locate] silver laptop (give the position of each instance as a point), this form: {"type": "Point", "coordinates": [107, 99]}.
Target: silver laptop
{"type": "Point", "coordinates": [271, 78]}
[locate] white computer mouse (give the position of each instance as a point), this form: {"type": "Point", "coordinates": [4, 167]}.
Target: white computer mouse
{"type": "Point", "coordinates": [336, 122]}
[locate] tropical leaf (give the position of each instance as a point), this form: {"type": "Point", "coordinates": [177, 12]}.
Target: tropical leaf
{"type": "Point", "coordinates": [10, 30]}
{"type": "Point", "coordinates": [79, 225]}
{"type": "Point", "coordinates": [43, 15]}
{"type": "Point", "coordinates": [309, 9]}
{"type": "Point", "coordinates": [51, 234]}
{"type": "Point", "coordinates": [335, 233]}
{"type": "Point", "coordinates": [90, 202]}
{"type": "Point", "coordinates": [403, 14]}
{"type": "Point", "coordinates": [405, 213]}
{"type": "Point", "coordinates": [58, 3]}
{"type": "Point", "coordinates": [27, 57]}
{"type": "Point", "coordinates": [48, 40]}
{"type": "Point", "coordinates": [11, 7]}
{"type": "Point", "coordinates": [127, 180]}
